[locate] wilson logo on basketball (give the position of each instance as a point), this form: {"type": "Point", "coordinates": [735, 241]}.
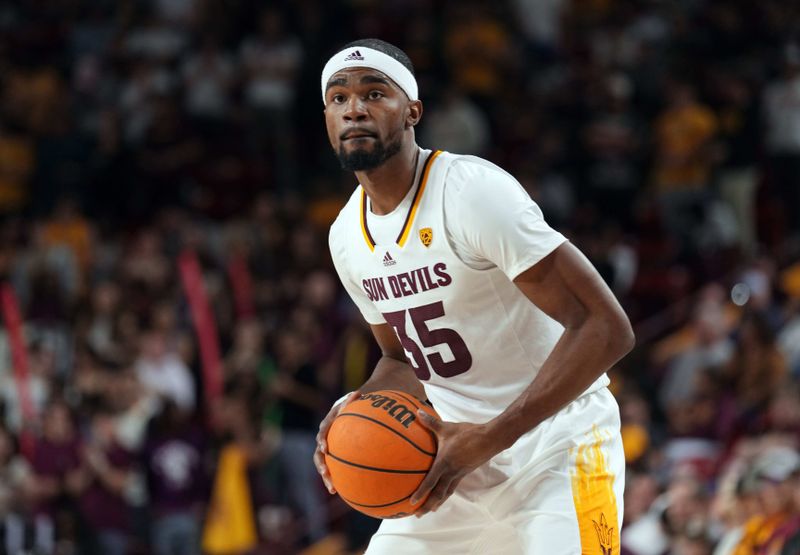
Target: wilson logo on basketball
{"type": "Point", "coordinates": [399, 412]}
{"type": "Point", "coordinates": [376, 463]}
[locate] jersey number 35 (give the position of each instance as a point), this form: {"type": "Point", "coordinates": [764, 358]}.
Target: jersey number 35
{"type": "Point", "coordinates": [462, 359]}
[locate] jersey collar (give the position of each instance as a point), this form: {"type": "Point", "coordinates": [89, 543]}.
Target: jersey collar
{"type": "Point", "coordinates": [412, 211]}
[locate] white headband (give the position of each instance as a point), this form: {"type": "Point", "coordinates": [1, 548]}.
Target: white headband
{"type": "Point", "coordinates": [361, 56]}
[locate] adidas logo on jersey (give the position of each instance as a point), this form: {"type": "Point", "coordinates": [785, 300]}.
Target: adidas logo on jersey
{"type": "Point", "coordinates": [388, 260]}
{"type": "Point", "coordinates": [354, 55]}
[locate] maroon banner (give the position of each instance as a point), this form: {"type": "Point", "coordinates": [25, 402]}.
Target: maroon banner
{"type": "Point", "coordinates": [242, 286]}
{"type": "Point", "coordinates": [204, 326]}
{"type": "Point", "coordinates": [19, 363]}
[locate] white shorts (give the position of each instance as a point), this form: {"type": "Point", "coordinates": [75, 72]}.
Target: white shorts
{"type": "Point", "coordinates": [556, 491]}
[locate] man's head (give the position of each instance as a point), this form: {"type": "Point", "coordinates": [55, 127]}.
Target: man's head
{"type": "Point", "coordinates": [371, 104]}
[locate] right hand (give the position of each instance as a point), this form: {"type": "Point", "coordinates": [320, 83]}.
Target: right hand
{"type": "Point", "coordinates": [322, 440]}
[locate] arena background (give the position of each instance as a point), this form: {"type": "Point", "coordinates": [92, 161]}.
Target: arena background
{"type": "Point", "coordinates": [165, 176]}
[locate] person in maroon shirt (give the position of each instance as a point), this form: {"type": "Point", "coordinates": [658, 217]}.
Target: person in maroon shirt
{"type": "Point", "coordinates": [56, 471]}
{"type": "Point", "coordinates": [105, 483]}
{"type": "Point", "coordinates": [178, 484]}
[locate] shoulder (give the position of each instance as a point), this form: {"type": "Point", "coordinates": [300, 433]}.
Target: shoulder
{"type": "Point", "coordinates": [468, 166]}
{"type": "Point", "coordinates": [470, 179]}
{"type": "Point", "coordinates": [348, 216]}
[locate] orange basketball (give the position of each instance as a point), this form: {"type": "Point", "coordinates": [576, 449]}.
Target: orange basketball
{"type": "Point", "coordinates": [378, 453]}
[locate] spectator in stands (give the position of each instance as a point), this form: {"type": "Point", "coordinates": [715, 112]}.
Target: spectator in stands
{"type": "Point", "coordinates": [791, 543]}
{"type": "Point", "coordinates": [208, 79]}
{"type": "Point", "coordinates": [756, 370]}
{"type": "Point", "coordinates": [41, 376]}
{"type": "Point", "coordinates": [457, 125]}
{"type": "Point", "coordinates": [737, 113]}
{"type": "Point", "coordinates": [711, 348]}
{"type": "Point", "coordinates": [107, 486]}
{"type": "Point", "coordinates": [17, 164]}
{"type": "Point", "coordinates": [174, 459]}
{"type": "Point", "coordinates": [163, 372]}
{"type": "Point", "coordinates": [612, 141]}
{"type": "Point", "coordinates": [782, 119]}
{"type": "Point", "coordinates": [57, 478]}
{"type": "Point", "coordinates": [230, 524]}
{"type": "Point", "coordinates": [301, 401]}
{"type": "Point", "coordinates": [14, 479]}
{"type": "Point", "coordinates": [478, 49]}
{"type": "Point", "coordinates": [682, 167]}
{"type": "Point", "coordinates": [271, 62]}
{"type": "Point", "coordinates": [771, 476]}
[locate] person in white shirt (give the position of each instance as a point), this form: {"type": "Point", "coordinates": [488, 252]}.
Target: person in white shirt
{"type": "Point", "coordinates": [163, 372]}
{"type": "Point", "coordinates": [483, 309]}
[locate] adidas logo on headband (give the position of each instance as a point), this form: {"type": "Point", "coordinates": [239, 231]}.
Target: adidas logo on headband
{"type": "Point", "coordinates": [354, 55]}
{"type": "Point", "coordinates": [365, 57]}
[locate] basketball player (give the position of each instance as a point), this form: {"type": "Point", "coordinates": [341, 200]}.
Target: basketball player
{"type": "Point", "coordinates": [483, 309]}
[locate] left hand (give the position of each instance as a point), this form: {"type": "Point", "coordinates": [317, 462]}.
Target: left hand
{"type": "Point", "coordinates": [462, 448]}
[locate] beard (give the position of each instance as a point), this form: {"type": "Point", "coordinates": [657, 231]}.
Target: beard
{"type": "Point", "coordinates": [361, 159]}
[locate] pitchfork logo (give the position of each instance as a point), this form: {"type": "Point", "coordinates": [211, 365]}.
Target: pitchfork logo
{"type": "Point", "coordinates": [605, 534]}
{"type": "Point", "coordinates": [354, 55]}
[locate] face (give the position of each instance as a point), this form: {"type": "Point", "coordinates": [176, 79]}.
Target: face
{"type": "Point", "coordinates": [57, 424]}
{"type": "Point", "coordinates": [368, 117]}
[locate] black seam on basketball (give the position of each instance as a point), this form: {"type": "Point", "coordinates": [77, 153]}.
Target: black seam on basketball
{"type": "Point", "coordinates": [376, 506]}
{"type": "Point", "coordinates": [379, 423]}
{"type": "Point", "coordinates": [407, 398]}
{"type": "Point", "coordinates": [365, 467]}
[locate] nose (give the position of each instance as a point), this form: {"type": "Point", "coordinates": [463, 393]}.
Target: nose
{"type": "Point", "coordinates": [355, 109]}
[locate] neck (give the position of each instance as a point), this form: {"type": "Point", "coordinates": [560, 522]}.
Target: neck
{"type": "Point", "coordinates": [387, 185]}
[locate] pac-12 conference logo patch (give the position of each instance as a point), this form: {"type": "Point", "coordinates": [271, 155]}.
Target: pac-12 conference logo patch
{"type": "Point", "coordinates": [426, 236]}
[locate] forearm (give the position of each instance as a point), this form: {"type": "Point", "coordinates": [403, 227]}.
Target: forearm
{"type": "Point", "coordinates": [114, 479]}
{"type": "Point", "coordinates": [44, 487]}
{"type": "Point", "coordinates": [391, 373]}
{"type": "Point", "coordinates": [578, 359]}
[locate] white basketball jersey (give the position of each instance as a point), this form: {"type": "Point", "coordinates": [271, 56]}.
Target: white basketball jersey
{"type": "Point", "coordinates": [473, 338]}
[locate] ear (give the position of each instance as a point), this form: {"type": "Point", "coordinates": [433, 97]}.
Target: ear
{"type": "Point", "coordinates": [414, 113]}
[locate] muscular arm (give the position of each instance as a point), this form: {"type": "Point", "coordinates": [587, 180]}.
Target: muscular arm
{"type": "Point", "coordinates": [597, 334]}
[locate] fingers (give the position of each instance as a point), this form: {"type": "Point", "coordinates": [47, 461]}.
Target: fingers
{"type": "Point", "coordinates": [438, 495]}
{"type": "Point", "coordinates": [428, 483]}
{"type": "Point", "coordinates": [450, 490]}
{"type": "Point", "coordinates": [326, 423]}
{"type": "Point", "coordinates": [350, 398]}
{"type": "Point", "coordinates": [322, 443]}
{"type": "Point", "coordinates": [428, 421]}
{"type": "Point", "coordinates": [322, 468]}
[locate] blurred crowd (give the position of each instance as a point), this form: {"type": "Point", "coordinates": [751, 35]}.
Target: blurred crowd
{"type": "Point", "coordinates": [663, 138]}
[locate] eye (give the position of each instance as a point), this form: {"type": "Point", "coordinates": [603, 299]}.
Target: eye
{"type": "Point", "coordinates": [375, 95]}
{"type": "Point", "coordinates": [337, 98]}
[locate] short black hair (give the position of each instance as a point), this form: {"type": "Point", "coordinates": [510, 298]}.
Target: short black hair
{"type": "Point", "coordinates": [386, 48]}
